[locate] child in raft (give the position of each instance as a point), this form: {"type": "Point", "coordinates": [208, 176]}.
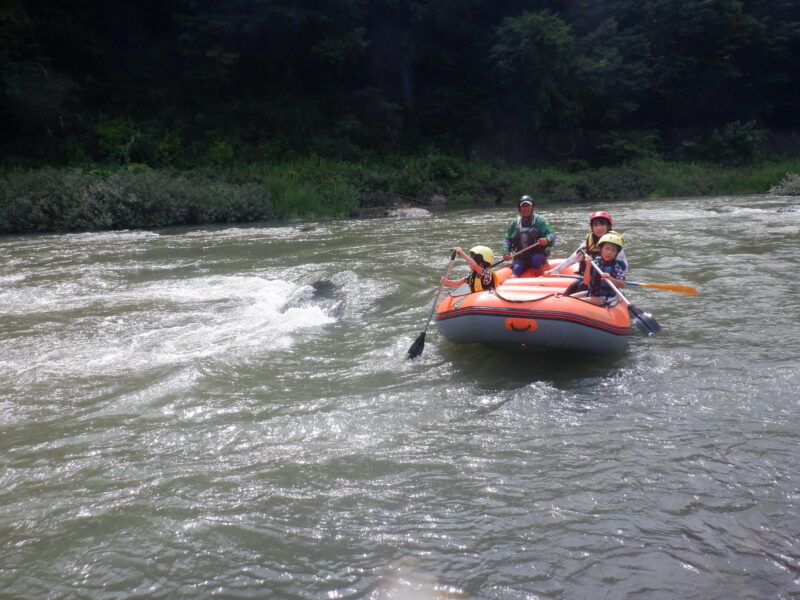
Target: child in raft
{"type": "Point", "coordinates": [479, 260]}
{"type": "Point", "coordinates": [600, 223]}
{"type": "Point", "coordinates": [611, 267]}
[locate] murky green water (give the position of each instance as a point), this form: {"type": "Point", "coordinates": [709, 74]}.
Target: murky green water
{"type": "Point", "coordinates": [228, 412]}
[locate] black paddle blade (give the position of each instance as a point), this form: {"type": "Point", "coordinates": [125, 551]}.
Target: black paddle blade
{"type": "Point", "coordinates": [646, 323]}
{"type": "Point", "coordinates": [417, 346]}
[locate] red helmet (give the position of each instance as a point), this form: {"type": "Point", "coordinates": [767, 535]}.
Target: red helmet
{"type": "Point", "coordinates": [601, 214]}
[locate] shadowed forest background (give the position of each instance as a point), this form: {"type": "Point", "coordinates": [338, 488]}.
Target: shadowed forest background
{"type": "Point", "coordinates": [288, 106]}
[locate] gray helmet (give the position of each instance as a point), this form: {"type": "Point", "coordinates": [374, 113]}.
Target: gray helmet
{"type": "Point", "coordinates": [525, 199]}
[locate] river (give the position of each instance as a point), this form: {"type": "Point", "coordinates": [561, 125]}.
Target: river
{"type": "Point", "coordinates": [228, 412]}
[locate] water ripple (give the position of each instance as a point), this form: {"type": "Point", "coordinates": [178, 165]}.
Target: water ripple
{"type": "Point", "coordinates": [229, 412]}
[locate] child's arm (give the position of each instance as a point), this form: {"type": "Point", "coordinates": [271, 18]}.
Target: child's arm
{"type": "Point", "coordinates": [454, 282]}
{"type": "Point", "coordinates": [618, 279]}
{"type": "Point", "coordinates": [587, 273]}
{"type": "Point", "coordinates": [470, 261]}
{"type": "Point", "coordinates": [620, 283]}
{"type": "Point", "coordinates": [573, 258]}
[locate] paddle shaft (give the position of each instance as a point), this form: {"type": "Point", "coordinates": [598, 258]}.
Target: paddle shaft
{"type": "Point", "coordinates": [667, 287]}
{"type": "Point", "coordinates": [419, 344]}
{"type": "Point", "coordinates": [515, 254]}
{"type": "Point", "coordinates": [439, 293]}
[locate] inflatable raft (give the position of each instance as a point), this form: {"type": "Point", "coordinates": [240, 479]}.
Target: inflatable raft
{"type": "Point", "coordinates": [530, 313]}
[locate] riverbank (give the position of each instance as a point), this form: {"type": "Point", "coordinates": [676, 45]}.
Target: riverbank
{"type": "Point", "coordinates": [136, 196]}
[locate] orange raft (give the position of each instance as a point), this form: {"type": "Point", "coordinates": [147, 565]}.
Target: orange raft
{"type": "Point", "coordinates": [530, 313]}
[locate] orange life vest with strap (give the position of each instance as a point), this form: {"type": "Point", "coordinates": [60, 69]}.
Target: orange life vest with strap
{"type": "Point", "coordinates": [487, 280]}
{"type": "Point", "coordinates": [591, 249]}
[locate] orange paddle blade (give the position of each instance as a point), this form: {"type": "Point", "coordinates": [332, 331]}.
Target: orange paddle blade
{"type": "Point", "coordinates": [672, 287]}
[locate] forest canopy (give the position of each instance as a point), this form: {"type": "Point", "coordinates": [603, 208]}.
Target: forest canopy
{"type": "Point", "coordinates": [185, 82]}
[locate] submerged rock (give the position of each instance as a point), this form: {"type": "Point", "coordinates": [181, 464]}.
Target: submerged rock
{"type": "Point", "coordinates": [791, 208]}
{"type": "Point", "coordinates": [328, 297]}
{"type": "Point", "coordinates": [324, 288]}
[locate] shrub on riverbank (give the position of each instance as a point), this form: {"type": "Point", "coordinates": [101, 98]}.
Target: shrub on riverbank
{"type": "Point", "coordinates": [64, 199]}
{"type": "Point", "coordinates": [71, 200]}
{"type": "Point", "coordinates": [788, 186]}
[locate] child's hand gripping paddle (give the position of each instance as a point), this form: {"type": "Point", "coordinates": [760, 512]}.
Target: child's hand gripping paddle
{"type": "Point", "coordinates": [646, 323]}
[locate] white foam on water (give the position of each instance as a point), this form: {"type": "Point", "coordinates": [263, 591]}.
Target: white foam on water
{"type": "Point", "coordinates": [174, 322]}
{"type": "Point", "coordinates": [208, 316]}
{"type": "Point", "coordinates": [244, 234]}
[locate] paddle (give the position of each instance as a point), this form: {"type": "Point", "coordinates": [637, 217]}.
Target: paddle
{"type": "Point", "coordinates": [531, 247]}
{"type": "Point", "coordinates": [419, 344]}
{"type": "Point", "coordinates": [668, 287]}
{"type": "Point", "coordinates": [646, 323]}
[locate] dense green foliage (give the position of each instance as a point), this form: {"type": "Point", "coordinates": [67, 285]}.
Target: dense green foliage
{"type": "Point", "coordinates": [67, 199]}
{"type": "Point", "coordinates": [144, 114]}
{"type": "Point", "coordinates": [184, 83]}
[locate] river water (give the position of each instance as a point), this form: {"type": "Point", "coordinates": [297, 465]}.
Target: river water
{"type": "Point", "coordinates": [229, 412]}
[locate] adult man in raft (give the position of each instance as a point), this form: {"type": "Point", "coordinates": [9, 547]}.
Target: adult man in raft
{"type": "Point", "coordinates": [528, 229]}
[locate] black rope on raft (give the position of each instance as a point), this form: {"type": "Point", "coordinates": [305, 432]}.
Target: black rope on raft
{"type": "Point", "coordinates": [499, 295]}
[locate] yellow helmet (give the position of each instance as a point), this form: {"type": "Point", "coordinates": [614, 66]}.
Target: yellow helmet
{"type": "Point", "coordinates": [482, 253]}
{"type": "Point", "coordinates": [611, 238]}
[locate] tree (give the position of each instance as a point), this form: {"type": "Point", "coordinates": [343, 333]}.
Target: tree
{"type": "Point", "coordinates": [615, 75]}
{"type": "Point", "coordinates": [698, 52]}
{"type": "Point", "coordinates": [33, 95]}
{"type": "Point", "coordinates": [535, 63]}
